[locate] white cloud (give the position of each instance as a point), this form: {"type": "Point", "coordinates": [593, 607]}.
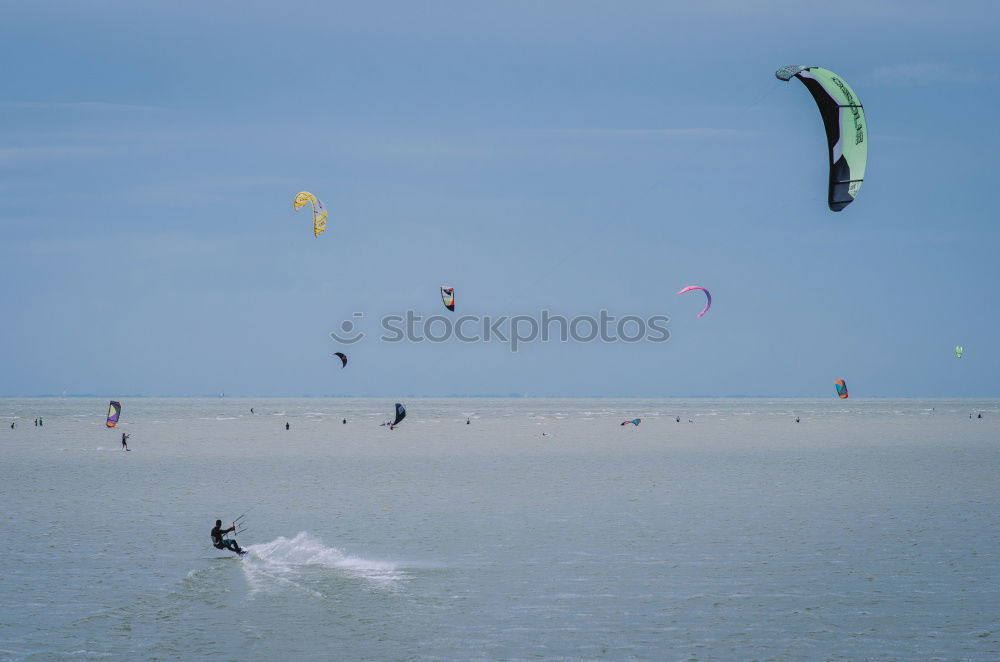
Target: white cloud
{"type": "Point", "coordinates": [38, 154]}
{"type": "Point", "coordinates": [96, 106]}
{"type": "Point", "coordinates": [925, 73]}
{"type": "Point", "coordinates": [683, 132]}
{"type": "Point", "coordinates": [205, 189]}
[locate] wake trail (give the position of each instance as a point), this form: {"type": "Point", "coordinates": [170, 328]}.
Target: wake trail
{"type": "Point", "coordinates": [288, 561]}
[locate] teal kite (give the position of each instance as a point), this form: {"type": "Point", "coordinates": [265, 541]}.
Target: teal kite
{"type": "Point", "coordinates": [846, 129]}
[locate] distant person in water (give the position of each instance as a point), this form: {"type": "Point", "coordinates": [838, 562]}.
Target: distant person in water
{"type": "Point", "coordinates": [979, 416]}
{"type": "Point", "coordinates": [224, 543]}
{"type": "Point", "coordinates": [40, 422]}
{"type": "Point", "coordinates": [344, 422]}
{"type": "Point", "coordinates": [796, 419]}
{"type": "Point", "coordinates": [125, 439]}
{"type": "Point", "coordinates": [287, 426]}
{"type": "Point", "coordinates": [678, 419]}
{"type": "Point", "coordinates": [467, 421]}
{"type": "Point", "coordinates": [12, 425]}
{"type": "Point", "coordinates": [251, 410]}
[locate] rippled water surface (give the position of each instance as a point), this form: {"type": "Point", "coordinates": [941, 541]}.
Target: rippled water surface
{"type": "Point", "coordinates": [541, 530]}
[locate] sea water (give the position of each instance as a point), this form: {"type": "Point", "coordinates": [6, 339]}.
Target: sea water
{"type": "Point", "coordinates": [542, 529]}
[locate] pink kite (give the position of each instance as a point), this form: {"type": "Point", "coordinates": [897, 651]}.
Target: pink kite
{"type": "Point", "coordinates": [707, 293]}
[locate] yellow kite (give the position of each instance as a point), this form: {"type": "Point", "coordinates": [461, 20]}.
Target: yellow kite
{"type": "Point", "coordinates": [304, 198]}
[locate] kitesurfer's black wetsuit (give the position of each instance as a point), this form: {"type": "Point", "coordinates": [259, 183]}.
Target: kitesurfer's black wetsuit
{"type": "Point", "coordinates": [224, 543]}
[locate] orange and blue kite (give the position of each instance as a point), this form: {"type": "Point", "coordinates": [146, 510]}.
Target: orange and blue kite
{"type": "Point", "coordinates": [841, 388]}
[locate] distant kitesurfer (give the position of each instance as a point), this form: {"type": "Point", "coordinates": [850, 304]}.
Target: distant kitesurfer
{"type": "Point", "coordinates": [344, 422]}
{"type": "Point", "coordinates": [287, 426]}
{"type": "Point", "coordinates": [225, 543]}
{"type": "Point", "coordinates": [251, 410]}
{"type": "Point", "coordinates": [467, 421]}
{"type": "Point", "coordinates": [124, 439]}
{"type": "Point", "coordinates": [400, 415]}
{"type": "Point", "coordinates": [12, 426]}
{"type": "Point", "coordinates": [796, 419]}
{"type": "Point", "coordinates": [678, 419]}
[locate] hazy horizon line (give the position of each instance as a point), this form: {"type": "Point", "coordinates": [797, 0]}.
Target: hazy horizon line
{"type": "Point", "coordinates": [509, 396]}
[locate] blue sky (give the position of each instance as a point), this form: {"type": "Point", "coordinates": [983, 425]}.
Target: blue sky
{"type": "Point", "coordinates": [572, 156]}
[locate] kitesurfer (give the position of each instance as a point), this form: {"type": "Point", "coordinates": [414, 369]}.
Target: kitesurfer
{"type": "Point", "coordinates": [12, 426]}
{"type": "Point", "coordinates": [678, 419]}
{"type": "Point", "coordinates": [796, 419]}
{"type": "Point", "coordinates": [251, 411]}
{"type": "Point", "coordinates": [287, 426]}
{"type": "Point", "coordinates": [344, 422]}
{"type": "Point", "coordinates": [225, 543]}
{"type": "Point", "coordinates": [467, 421]}
{"type": "Point", "coordinates": [124, 439]}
